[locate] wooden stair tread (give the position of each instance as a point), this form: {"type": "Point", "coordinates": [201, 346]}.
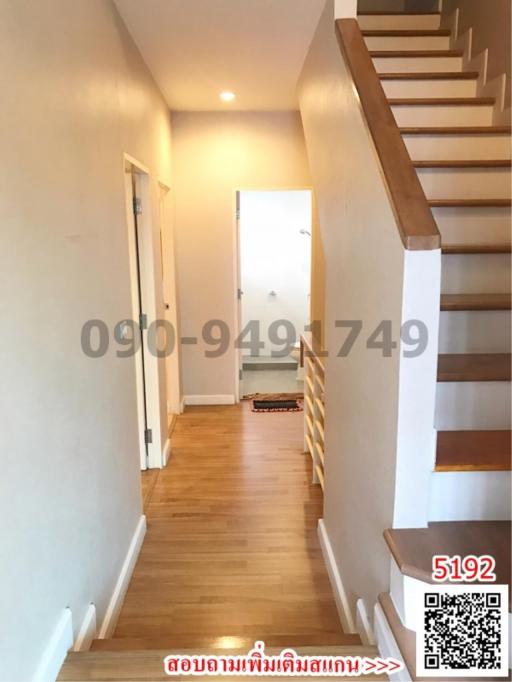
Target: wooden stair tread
{"type": "Point", "coordinates": [463, 163]}
{"type": "Point", "coordinates": [441, 101]}
{"type": "Point", "coordinates": [429, 75]}
{"type": "Point", "coordinates": [413, 548]}
{"type": "Point", "coordinates": [473, 451]}
{"type": "Point", "coordinates": [470, 203]}
{"type": "Point", "coordinates": [138, 666]}
{"type": "Point", "coordinates": [475, 248]}
{"type": "Point", "coordinates": [397, 13]}
{"type": "Point", "coordinates": [405, 32]}
{"type": "Point", "coordinates": [458, 302]}
{"type": "Point", "coordinates": [474, 367]}
{"type": "Point", "coordinates": [210, 643]}
{"type": "Point", "coordinates": [415, 53]}
{"type": "Point", "coordinates": [456, 130]}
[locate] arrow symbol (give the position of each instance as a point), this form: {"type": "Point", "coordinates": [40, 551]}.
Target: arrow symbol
{"type": "Point", "coordinates": [369, 665]}
{"type": "Point", "coordinates": [394, 665]}
{"type": "Point", "coordinates": [382, 665]}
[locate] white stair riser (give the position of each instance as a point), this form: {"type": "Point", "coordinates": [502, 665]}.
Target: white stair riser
{"type": "Point", "coordinates": [443, 115]}
{"type": "Point", "coordinates": [407, 42]}
{"type": "Point", "coordinates": [431, 88]}
{"type": "Point", "coordinates": [458, 147]}
{"type": "Point", "coordinates": [470, 496]}
{"type": "Point", "coordinates": [475, 274]}
{"type": "Point", "coordinates": [405, 593]}
{"type": "Point", "coordinates": [473, 405]}
{"type": "Point", "coordinates": [465, 183]}
{"type": "Point", "coordinates": [416, 64]}
{"type": "Point", "coordinates": [482, 225]}
{"type": "Point", "coordinates": [475, 331]}
{"type": "Point", "coordinates": [380, 22]}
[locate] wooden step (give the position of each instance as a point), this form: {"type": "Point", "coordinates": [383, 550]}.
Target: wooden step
{"type": "Point", "coordinates": [470, 203]}
{"type": "Point", "coordinates": [413, 548]}
{"type": "Point", "coordinates": [210, 643]}
{"type": "Point", "coordinates": [469, 249]}
{"type": "Point", "coordinates": [473, 451]}
{"type": "Point", "coordinates": [441, 101]}
{"type": "Point", "coordinates": [377, 13]}
{"type": "Point", "coordinates": [139, 666]}
{"type": "Point", "coordinates": [462, 302]}
{"type": "Point", "coordinates": [405, 33]}
{"type": "Point", "coordinates": [456, 130]}
{"type": "Point", "coordinates": [464, 163]}
{"type": "Point", "coordinates": [420, 54]}
{"type": "Point", "coordinates": [429, 75]}
{"type": "Point", "coordinates": [474, 367]}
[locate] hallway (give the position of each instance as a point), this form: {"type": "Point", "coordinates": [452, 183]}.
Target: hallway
{"type": "Point", "coordinates": [231, 553]}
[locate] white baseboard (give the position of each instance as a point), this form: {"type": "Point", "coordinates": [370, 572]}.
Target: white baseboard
{"type": "Point", "coordinates": [340, 595]}
{"type": "Point", "coordinates": [166, 452]}
{"type": "Point", "coordinates": [116, 600]}
{"type": "Point", "coordinates": [87, 630]}
{"type": "Point", "coordinates": [363, 624]}
{"type": "Point", "coordinates": [386, 644]}
{"type": "Point", "coordinates": [209, 399]}
{"type": "Point", "coordinates": [56, 650]}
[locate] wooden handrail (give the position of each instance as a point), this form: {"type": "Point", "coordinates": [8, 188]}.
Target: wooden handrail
{"type": "Point", "coordinates": [417, 227]}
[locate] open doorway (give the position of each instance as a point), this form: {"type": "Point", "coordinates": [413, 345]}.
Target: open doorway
{"type": "Point", "coordinates": [170, 300]}
{"type": "Point", "coordinates": [274, 244]}
{"type": "Point", "coordinates": [141, 253]}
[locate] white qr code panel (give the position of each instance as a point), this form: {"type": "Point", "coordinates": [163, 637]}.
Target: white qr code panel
{"type": "Point", "coordinates": [463, 631]}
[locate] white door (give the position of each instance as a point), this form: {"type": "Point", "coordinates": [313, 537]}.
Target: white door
{"type": "Point", "coordinates": [170, 297]}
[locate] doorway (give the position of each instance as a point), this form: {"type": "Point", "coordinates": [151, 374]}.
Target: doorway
{"type": "Point", "coordinates": [274, 256]}
{"type": "Point", "coordinates": [170, 301]}
{"type": "Point", "coordinates": [141, 253]}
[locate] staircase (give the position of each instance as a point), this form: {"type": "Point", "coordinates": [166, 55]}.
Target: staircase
{"type": "Point", "coordinates": [463, 163]}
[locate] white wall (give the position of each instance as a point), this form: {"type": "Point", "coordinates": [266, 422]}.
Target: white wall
{"type": "Point", "coordinates": [75, 96]}
{"type": "Point", "coordinates": [275, 256]}
{"type": "Point", "coordinates": [214, 154]}
{"type": "Point", "coordinates": [379, 410]}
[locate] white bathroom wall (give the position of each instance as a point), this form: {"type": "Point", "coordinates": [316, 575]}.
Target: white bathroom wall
{"type": "Point", "coordinates": [275, 256]}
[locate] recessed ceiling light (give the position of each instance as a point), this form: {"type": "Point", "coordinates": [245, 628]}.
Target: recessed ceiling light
{"type": "Point", "coordinates": [227, 96]}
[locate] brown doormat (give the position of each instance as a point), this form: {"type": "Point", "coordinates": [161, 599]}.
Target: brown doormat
{"type": "Point", "coordinates": [276, 406]}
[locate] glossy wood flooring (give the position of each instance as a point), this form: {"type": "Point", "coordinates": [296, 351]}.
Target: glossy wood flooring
{"type": "Point", "coordinates": [231, 553]}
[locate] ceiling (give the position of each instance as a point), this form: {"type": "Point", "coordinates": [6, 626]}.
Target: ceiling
{"type": "Point", "coordinates": [197, 48]}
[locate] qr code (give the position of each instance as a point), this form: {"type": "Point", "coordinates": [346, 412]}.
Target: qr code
{"type": "Point", "coordinates": [464, 632]}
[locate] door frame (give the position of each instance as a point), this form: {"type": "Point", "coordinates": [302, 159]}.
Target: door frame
{"type": "Point", "coordinates": [170, 298]}
{"type": "Point", "coordinates": [148, 402]}
{"type": "Point", "coordinates": [237, 265]}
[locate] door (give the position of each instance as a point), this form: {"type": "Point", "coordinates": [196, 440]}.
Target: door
{"type": "Point", "coordinates": [141, 327]}
{"type": "Point", "coordinates": [239, 379]}
{"type": "Point", "coordinates": [142, 252]}
{"type": "Point", "coordinates": [170, 299]}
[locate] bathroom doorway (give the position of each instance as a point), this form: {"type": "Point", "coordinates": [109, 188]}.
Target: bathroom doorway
{"type": "Point", "coordinates": [274, 259]}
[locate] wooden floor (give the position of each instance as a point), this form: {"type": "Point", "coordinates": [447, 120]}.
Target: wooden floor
{"type": "Point", "coordinates": [231, 553]}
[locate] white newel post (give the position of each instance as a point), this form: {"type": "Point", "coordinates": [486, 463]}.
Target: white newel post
{"type": "Point", "coordinates": [344, 9]}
